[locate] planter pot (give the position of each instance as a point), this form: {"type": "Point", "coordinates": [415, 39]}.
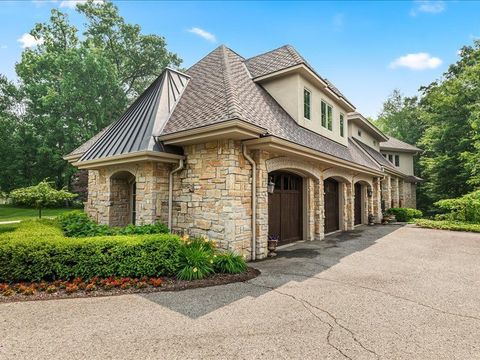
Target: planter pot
{"type": "Point", "coordinates": [272, 246]}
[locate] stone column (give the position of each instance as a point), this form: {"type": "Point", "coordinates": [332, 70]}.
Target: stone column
{"type": "Point", "coordinates": [348, 206]}
{"type": "Point", "coordinates": [262, 203]}
{"type": "Point", "coordinates": [369, 201]}
{"type": "Point", "coordinates": [395, 193]}
{"type": "Point", "coordinates": [310, 209]}
{"type": "Point", "coordinates": [377, 200]}
{"type": "Point", "coordinates": [387, 192]}
{"type": "Point", "coordinates": [401, 189]}
{"type": "Point", "coordinates": [319, 232]}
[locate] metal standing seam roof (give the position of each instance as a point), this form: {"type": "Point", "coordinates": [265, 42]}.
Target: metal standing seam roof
{"type": "Point", "coordinates": [134, 130]}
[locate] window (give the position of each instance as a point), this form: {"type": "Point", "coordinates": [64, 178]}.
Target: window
{"type": "Point", "coordinates": [374, 142]}
{"type": "Point", "coordinates": [306, 103]}
{"type": "Point", "coordinates": [342, 131]}
{"type": "Point", "coordinates": [324, 114]}
{"type": "Point", "coordinates": [390, 158]}
{"type": "Point", "coordinates": [397, 160]}
{"type": "Point", "coordinates": [384, 155]}
{"type": "Point", "coordinates": [327, 115]}
{"type": "Point", "coordinates": [359, 133]}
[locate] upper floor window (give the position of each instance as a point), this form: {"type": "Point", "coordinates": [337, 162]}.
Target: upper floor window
{"type": "Point", "coordinates": [359, 133]}
{"type": "Point", "coordinates": [374, 142]}
{"type": "Point", "coordinates": [397, 160]}
{"type": "Point", "coordinates": [342, 130]}
{"type": "Point", "coordinates": [390, 158]}
{"type": "Point", "coordinates": [326, 115]}
{"type": "Point", "coordinates": [307, 95]}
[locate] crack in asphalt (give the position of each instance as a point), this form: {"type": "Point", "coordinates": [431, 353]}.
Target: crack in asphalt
{"type": "Point", "coordinates": [304, 303]}
{"type": "Point", "coordinates": [386, 293]}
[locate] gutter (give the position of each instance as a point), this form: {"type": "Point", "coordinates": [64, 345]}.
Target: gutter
{"type": "Point", "coordinates": [170, 191]}
{"type": "Point", "coordinates": [254, 201]}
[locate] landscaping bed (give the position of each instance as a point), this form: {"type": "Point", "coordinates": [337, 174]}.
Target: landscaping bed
{"type": "Point", "coordinates": [72, 256]}
{"type": "Point", "coordinates": [448, 225]}
{"type": "Point", "coordinates": [112, 287]}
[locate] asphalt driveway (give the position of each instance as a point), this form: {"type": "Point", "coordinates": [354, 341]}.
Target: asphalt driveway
{"type": "Point", "coordinates": [384, 292]}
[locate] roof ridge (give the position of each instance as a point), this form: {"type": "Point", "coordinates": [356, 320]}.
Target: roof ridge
{"type": "Point", "coordinates": [230, 89]}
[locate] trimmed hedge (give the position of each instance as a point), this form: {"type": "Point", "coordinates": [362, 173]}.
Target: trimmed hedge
{"type": "Point", "coordinates": [79, 224]}
{"type": "Point", "coordinates": [39, 251]}
{"type": "Point", "coordinates": [405, 214]}
{"type": "Point", "coordinates": [448, 225]}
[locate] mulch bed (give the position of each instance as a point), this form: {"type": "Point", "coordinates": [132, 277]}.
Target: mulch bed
{"type": "Point", "coordinates": [151, 285]}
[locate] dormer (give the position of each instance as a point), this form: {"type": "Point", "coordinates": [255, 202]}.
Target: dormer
{"type": "Point", "coordinates": [312, 101]}
{"type": "Point", "coordinates": [363, 130]}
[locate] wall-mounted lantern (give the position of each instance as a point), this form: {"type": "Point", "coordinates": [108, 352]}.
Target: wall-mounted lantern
{"type": "Point", "coordinates": [270, 186]}
{"type": "Point", "coordinates": [369, 193]}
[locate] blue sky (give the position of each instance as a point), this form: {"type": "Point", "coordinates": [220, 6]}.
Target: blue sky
{"type": "Point", "coordinates": [365, 48]}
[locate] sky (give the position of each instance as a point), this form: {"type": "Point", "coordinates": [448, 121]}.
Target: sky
{"type": "Point", "coordinates": [366, 49]}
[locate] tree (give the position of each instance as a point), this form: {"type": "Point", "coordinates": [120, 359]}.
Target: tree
{"type": "Point", "coordinates": [70, 87]}
{"type": "Point", "coordinates": [40, 196]}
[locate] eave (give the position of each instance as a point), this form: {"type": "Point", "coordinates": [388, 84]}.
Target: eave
{"type": "Point", "coordinates": [288, 148]}
{"type": "Point", "coordinates": [139, 156]}
{"type": "Point", "coordinates": [360, 120]}
{"type": "Point", "coordinates": [231, 129]}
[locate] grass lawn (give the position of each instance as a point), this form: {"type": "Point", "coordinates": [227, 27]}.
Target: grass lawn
{"type": "Point", "coordinates": [11, 213]}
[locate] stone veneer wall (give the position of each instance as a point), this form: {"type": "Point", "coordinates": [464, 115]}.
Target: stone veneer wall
{"type": "Point", "coordinates": [410, 195]}
{"type": "Point", "coordinates": [152, 192]}
{"type": "Point", "coordinates": [212, 194]}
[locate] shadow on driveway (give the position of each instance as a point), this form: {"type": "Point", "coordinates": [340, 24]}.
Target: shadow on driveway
{"type": "Point", "coordinates": [296, 263]}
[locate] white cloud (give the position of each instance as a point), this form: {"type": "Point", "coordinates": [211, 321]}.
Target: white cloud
{"type": "Point", "coordinates": [3, 46]}
{"type": "Point", "coordinates": [203, 33]}
{"type": "Point", "coordinates": [39, 3]}
{"type": "Point", "coordinates": [418, 61]}
{"type": "Point", "coordinates": [29, 41]}
{"type": "Point", "coordinates": [72, 4]}
{"type": "Point", "coordinates": [428, 6]}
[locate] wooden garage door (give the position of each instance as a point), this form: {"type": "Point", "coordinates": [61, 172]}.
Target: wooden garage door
{"type": "Point", "coordinates": [331, 203]}
{"type": "Point", "coordinates": [285, 211]}
{"type": "Point", "coordinates": [358, 204]}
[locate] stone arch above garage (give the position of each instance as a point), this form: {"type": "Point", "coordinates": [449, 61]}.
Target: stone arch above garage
{"type": "Point", "coordinates": [296, 166]}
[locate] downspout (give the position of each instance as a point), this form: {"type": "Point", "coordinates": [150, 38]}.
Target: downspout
{"type": "Point", "coordinates": [254, 200]}
{"type": "Point", "coordinates": [170, 191]}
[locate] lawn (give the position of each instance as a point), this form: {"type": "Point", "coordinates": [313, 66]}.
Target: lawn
{"type": "Point", "coordinates": [12, 213]}
{"type": "Point", "coordinates": [448, 225]}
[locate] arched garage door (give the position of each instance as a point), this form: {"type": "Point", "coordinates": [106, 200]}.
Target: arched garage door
{"type": "Point", "coordinates": [331, 203]}
{"type": "Point", "coordinates": [285, 209]}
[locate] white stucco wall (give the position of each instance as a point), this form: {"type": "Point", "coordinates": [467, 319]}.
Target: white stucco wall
{"type": "Point", "coordinates": [366, 137]}
{"type": "Point", "coordinates": [406, 161]}
{"type": "Point", "coordinates": [288, 91]}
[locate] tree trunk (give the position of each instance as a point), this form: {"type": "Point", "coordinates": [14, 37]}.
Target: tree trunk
{"type": "Point", "coordinates": [40, 213]}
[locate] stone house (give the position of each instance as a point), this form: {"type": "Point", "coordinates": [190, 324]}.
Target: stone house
{"type": "Point", "coordinates": [239, 149]}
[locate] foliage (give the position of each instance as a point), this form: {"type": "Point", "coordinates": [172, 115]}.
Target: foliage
{"type": "Point", "coordinates": [445, 123]}
{"type": "Point", "coordinates": [38, 251]}
{"type": "Point", "coordinates": [79, 224]}
{"type": "Point", "coordinates": [448, 225]}
{"type": "Point", "coordinates": [80, 184]}
{"type": "Point", "coordinates": [464, 209]}
{"type": "Point", "coordinates": [405, 214]}
{"type": "Point", "coordinates": [70, 87]}
{"type": "Point", "coordinates": [195, 260]}
{"type": "Point", "coordinates": [229, 263]}
{"type": "Point", "coordinates": [40, 196]}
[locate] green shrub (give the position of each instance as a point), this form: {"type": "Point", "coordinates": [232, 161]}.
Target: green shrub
{"type": "Point", "coordinates": [465, 208]}
{"type": "Point", "coordinates": [405, 214]}
{"type": "Point", "coordinates": [39, 251]}
{"type": "Point", "coordinates": [448, 225]}
{"type": "Point", "coordinates": [195, 261]}
{"type": "Point", "coordinates": [78, 224]}
{"type": "Point", "coordinates": [229, 263]}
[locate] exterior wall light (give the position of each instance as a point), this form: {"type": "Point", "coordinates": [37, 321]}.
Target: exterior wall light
{"type": "Point", "coordinates": [369, 193]}
{"type": "Point", "coordinates": [270, 186]}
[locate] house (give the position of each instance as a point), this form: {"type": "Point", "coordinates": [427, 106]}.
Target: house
{"type": "Point", "coordinates": [190, 148]}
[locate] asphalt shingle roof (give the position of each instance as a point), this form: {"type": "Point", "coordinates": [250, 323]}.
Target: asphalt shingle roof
{"type": "Point", "coordinates": [378, 157]}
{"type": "Point", "coordinates": [221, 89]}
{"type": "Point", "coordinates": [395, 144]}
